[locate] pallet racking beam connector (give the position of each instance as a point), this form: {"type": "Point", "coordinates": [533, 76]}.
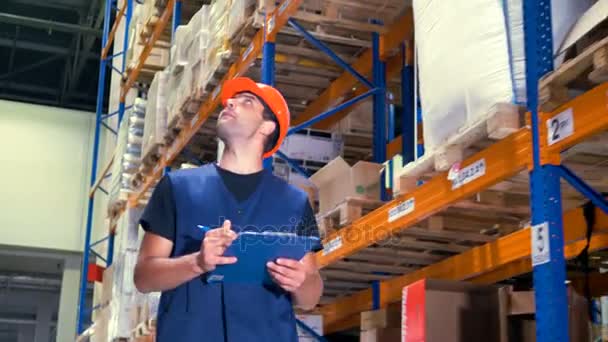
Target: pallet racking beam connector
{"type": "Point", "coordinates": [324, 48]}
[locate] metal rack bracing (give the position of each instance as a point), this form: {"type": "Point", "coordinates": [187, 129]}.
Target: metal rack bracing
{"type": "Point", "coordinates": [523, 174]}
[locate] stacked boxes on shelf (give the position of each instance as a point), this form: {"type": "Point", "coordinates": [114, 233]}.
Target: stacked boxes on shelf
{"type": "Point", "coordinates": [200, 47]}
{"type": "Point", "coordinates": [127, 155]}
{"type": "Point", "coordinates": [155, 126]}
{"type": "Point", "coordinates": [311, 150]}
{"type": "Point", "coordinates": [142, 23]}
{"type": "Point", "coordinates": [120, 306]}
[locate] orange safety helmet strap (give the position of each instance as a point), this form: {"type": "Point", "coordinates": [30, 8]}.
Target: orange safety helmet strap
{"type": "Point", "coordinates": [271, 96]}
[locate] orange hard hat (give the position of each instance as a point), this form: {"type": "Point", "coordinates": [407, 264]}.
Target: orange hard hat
{"type": "Point", "coordinates": [271, 97]}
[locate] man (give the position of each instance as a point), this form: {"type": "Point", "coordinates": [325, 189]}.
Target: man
{"type": "Point", "coordinates": [234, 195]}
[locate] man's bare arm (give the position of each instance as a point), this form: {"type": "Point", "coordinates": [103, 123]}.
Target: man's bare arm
{"type": "Point", "coordinates": [156, 271]}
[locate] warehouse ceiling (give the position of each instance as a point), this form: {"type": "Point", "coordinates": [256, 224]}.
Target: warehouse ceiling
{"type": "Point", "coordinates": [50, 51]}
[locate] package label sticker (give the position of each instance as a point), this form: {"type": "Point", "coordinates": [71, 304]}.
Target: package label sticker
{"type": "Point", "coordinates": [541, 252]}
{"type": "Point", "coordinates": [469, 173]}
{"type": "Point", "coordinates": [560, 126]}
{"type": "Point", "coordinates": [402, 209]}
{"type": "Point", "coordinates": [284, 6]}
{"type": "Point", "coordinates": [332, 245]}
{"type": "Point", "coordinates": [247, 52]}
{"type": "Point", "coordinates": [270, 25]}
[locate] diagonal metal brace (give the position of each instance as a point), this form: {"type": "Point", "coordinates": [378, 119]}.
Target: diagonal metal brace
{"type": "Point", "coordinates": [332, 111]}
{"type": "Point", "coordinates": [324, 48]}
{"type": "Point", "coordinates": [292, 164]}
{"type": "Point", "coordinates": [596, 198]}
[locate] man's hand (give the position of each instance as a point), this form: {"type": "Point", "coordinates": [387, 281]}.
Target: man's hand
{"type": "Point", "coordinates": [289, 274]}
{"type": "Point", "coordinates": [213, 247]}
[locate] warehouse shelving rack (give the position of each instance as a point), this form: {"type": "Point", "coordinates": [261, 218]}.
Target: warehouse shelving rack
{"type": "Point", "coordinates": [563, 234]}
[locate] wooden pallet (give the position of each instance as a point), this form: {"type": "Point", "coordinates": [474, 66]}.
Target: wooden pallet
{"type": "Point", "coordinates": [580, 73]}
{"type": "Point", "coordinates": [345, 214]}
{"type": "Point", "coordinates": [501, 120]}
{"type": "Point", "coordinates": [144, 331]}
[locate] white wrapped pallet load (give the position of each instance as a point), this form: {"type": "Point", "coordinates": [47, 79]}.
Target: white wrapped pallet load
{"type": "Point", "coordinates": [127, 232]}
{"type": "Point", "coordinates": [200, 21]}
{"type": "Point", "coordinates": [179, 55]}
{"type": "Point", "coordinates": [127, 154]}
{"type": "Point", "coordinates": [238, 15]}
{"type": "Point", "coordinates": [155, 126]}
{"type": "Point", "coordinates": [467, 66]}
{"type": "Point", "coordinates": [172, 97]}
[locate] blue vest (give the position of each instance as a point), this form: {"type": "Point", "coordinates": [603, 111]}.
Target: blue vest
{"type": "Point", "coordinates": [215, 312]}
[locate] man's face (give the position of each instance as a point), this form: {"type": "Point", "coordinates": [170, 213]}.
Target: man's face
{"type": "Point", "coordinates": [241, 118]}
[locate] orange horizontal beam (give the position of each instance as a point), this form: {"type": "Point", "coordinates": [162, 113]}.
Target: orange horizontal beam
{"type": "Point", "coordinates": [281, 14]}
{"type": "Point", "coordinates": [158, 30]}
{"type": "Point", "coordinates": [401, 30]}
{"type": "Point", "coordinates": [502, 160]}
{"type": "Point", "coordinates": [495, 261]}
{"type": "Point", "coordinates": [121, 13]}
{"type": "Point", "coordinates": [101, 177]}
{"type": "Point", "coordinates": [394, 147]}
{"type": "Point", "coordinates": [590, 116]}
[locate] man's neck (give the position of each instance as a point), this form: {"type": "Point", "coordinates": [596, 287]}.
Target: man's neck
{"type": "Point", "coordinates": [241, 160]}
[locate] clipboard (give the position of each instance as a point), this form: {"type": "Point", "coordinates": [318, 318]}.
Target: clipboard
{"type": "Point", "coordinates": [254, 250]}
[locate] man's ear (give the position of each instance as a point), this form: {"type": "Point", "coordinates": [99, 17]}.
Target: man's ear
{"type": "Point", "coordinates": [267, 127]}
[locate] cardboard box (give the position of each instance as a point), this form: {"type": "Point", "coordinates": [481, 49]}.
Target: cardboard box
{"type": "Point", "coordinates": [359, 120]}
{"type": "Point", "coordinates": [445, 311]}
{"type": "Point", "coordinates": [381, 335]}
{"type": "Point", "coordinates": [338, 180]}
{"type": "Point", "coordinates": [518, 308]}
{"type": "Point", "coordinates": [389, 317]}
{"type": "Point", "coordinates": [471, 313]}
{"type": "Point", "coordinates": [314, 322]}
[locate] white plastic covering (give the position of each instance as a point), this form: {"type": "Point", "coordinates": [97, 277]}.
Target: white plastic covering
{"type": "Point", "coordinates": [127, 154]}
{"type": "Point", "coordinates": [156, 112]}
{"type": "Point", "coordinates": [471, 56]}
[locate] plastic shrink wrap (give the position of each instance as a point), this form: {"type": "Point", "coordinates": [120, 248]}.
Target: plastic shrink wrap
{"type": "Point", "coordinates": [155, 126]}
{"type": "Point", "coordinates": [127, 154]}
{"type": "Point", "coordinates": [466, 66]}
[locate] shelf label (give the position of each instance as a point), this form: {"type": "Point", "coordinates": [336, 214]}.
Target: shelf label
{"type": "Point", "coordinates": [402, 209]}
{"type": "Point", "coordinates": [560, 126]}
{"type": "Point", "coordinates": [332, 245]}
{"type": "Point", "coordinates": [541, 253]}
{"type": "Point", "coordinates": [284, 6]}
{"type": "Point", "coordinates": [469, 174]}
{"type": "Point", "coordinates": [247, 52]}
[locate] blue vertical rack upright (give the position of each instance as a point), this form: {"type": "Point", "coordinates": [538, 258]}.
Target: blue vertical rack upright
{"type": "Point", "coordinates": [104, 63]}
{"type": "Point", "coordinates": [549, 266]}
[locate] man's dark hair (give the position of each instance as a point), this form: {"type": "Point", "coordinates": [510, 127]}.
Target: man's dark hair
{"type": "Point", "coordinates": [268, 115]}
